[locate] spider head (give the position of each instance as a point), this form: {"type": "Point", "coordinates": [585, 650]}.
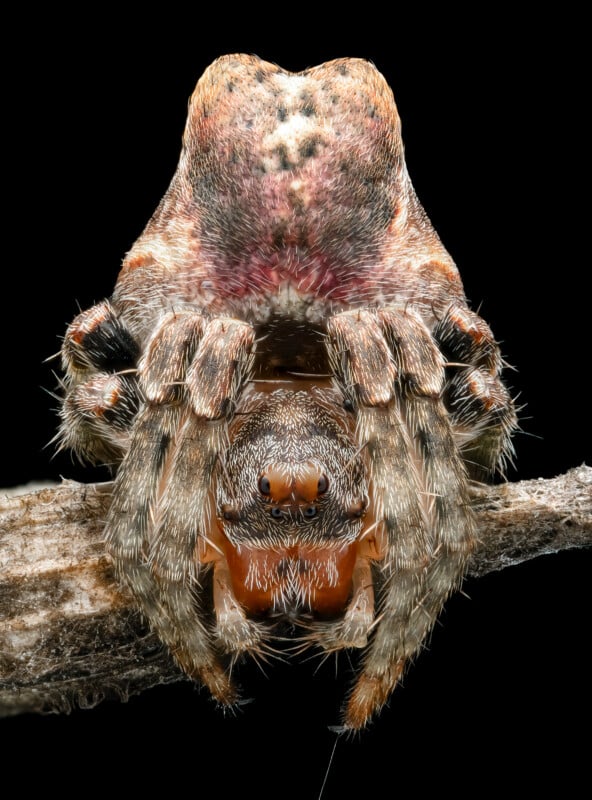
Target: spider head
{"type": "Point", "coordinates": [291, 498]}
{"type": "Point", "coordinates": [292, 472]}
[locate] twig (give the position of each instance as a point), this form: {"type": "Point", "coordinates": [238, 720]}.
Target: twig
{"type": "Point", "coordinates": [70, 637]}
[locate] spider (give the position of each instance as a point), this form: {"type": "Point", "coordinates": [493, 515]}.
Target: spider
{"type": "Point", "coordinates": [290, 385]}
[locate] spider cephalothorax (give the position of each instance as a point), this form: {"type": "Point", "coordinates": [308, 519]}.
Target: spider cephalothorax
{"type": "Point", "coordinates": [290, 244]}
{"type": "Point", "coordinates": [292, 496]}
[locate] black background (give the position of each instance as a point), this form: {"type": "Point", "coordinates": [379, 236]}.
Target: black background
{"type": "Point", "coordinates": [493, 125]}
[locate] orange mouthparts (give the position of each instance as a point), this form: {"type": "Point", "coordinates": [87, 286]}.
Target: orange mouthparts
{"type": "Point", "coordinates": [310, 578]}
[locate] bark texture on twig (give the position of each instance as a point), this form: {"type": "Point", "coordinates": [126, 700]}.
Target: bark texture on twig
{"type": "Point", "coordinates": [69, 636]}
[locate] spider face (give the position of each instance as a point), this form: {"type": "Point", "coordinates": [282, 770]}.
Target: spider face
{"type": "Point", "coordinates": [291, 497]}
{"type": "Point", "coordinates": [292, 471]}
{"type": "Point", "coordinates": [290, 244]}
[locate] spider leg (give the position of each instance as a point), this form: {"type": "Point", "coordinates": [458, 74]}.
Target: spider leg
{"type": "Point", "coordinates": [213, 383]}
{"type": "Point", "coordinates": [102, 396]}
{"type": "Point", "coordinates": [234, 631]}
{"type": "Point", "coordinates": [393, 374]}
{"type": "Point", "coordinates": [97, 416]}
{"type": "Point", "coordinates": [191, 375]}
{"type": "Point", "coordinates": [481, 410]}
{"type": "Point", "coordinates": [355, 627]}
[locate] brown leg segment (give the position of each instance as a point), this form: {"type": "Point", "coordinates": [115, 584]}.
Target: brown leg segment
{"type": "Point", "coordinates": [99, 360]}
{"type": "Point", "coordinates": [213, 383]}
{"type": "Point", "coordinates": [130, 530]}
{"type": "Point", "coordinates": [418, 483]}
{"type": "Point", "coordinates": [482, 413]}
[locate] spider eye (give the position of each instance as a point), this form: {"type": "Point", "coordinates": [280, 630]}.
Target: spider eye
{"type": "Point", "coordinates": [264, 485]}
{"type": "Point", "coordinates": [310, 512]}
{"type": "Point", "coordinates": [229, 513]}
{"type": "Point", "coordinates": [357, 510]}
{"type": "Point", "coordinates": [276, 512]}
{"type": "Point", "coordinates": [323, 484]}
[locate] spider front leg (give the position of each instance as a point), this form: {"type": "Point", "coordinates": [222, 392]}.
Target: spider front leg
{"type": "Point", "coordinates": [191, 375]}
{"type": "Point", "coordinates": [481, 410]}
{"type": "Point", "coordinates": [393, 374]}
{"type": "Point", "coordinates": [102, 397]}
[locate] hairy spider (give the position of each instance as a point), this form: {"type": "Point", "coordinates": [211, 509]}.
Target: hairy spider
{"type": "Point", "coordinates": [290, 245]}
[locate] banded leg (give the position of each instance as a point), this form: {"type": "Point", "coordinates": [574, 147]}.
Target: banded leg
{"type": "Point", "coordinates": [481, 410]}
{"type": "Point", "coordinates": [367, 372]}
{"type": "Point", "coordinates": [191, 375]}
{"type": "Point", "coordinates": [214, 381]}
{"type": "Point", "coordinates": [102, 397]}
{"type": "Point", "coordinates": [443, 478]}
{"type": "Point", "coordinates": [418, 485]}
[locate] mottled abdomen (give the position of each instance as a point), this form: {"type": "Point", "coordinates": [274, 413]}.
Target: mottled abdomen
{"type": "Point", "coordinates": [291, 199]}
